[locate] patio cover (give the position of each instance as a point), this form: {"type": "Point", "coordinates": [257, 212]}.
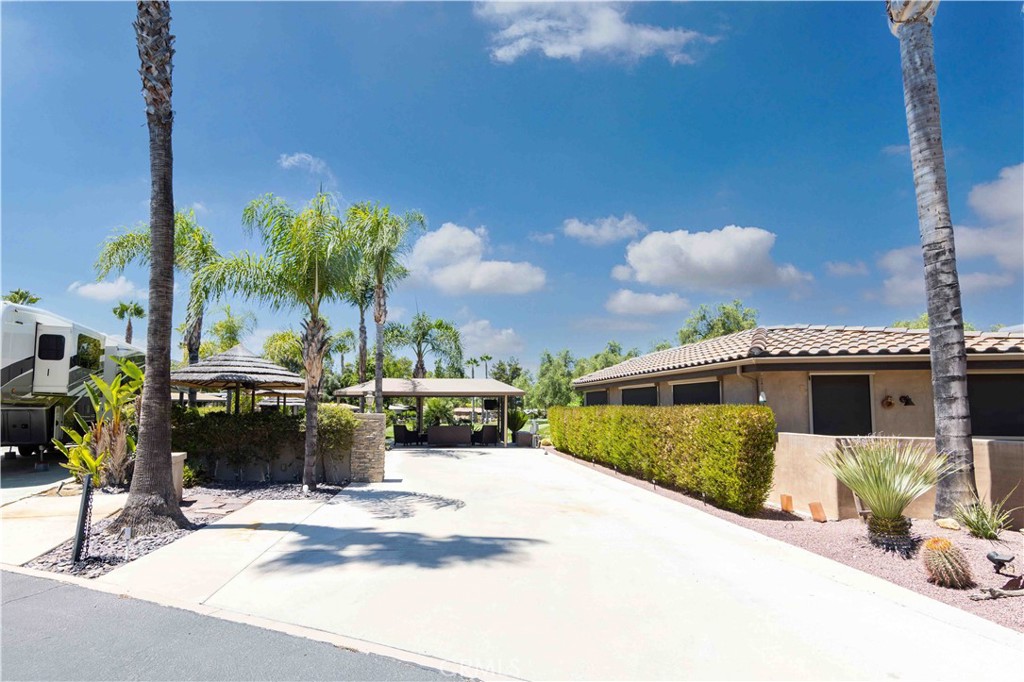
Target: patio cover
{"type": "Point", "coordinates": [434, 388]}
{"type": "Point", "coordinates": [236, 368]}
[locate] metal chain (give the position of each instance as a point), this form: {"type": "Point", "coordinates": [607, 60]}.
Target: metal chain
{"type": "Point", "coordinates": [88, 523]}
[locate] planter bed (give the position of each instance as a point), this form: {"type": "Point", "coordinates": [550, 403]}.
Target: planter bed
{"type": "Point", "coordinates": [846, 542]}
{"type": "Point", "coordinates": [264, 490]}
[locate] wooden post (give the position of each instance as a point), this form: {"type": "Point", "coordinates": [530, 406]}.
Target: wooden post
{"type": "Point", "coordinates": [504, 421]}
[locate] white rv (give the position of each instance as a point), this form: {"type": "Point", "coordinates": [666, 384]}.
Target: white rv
{"type": "Point", "coordinates": [46, 360]}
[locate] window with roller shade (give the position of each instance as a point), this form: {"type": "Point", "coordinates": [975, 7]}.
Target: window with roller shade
{"type": "Point", "coordinates": [648, 395]}
{"type": "Point", "coordinates": [841, 405]}
{"type": "Point", "coordinates": [997, 404]}
{"type": "Point", "coordinates": [701, 393]}
{"type": "Point", "coordinates": [595, 398]}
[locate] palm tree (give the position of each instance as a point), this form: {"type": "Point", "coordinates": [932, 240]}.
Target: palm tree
{"type": "Point", "coordinates": [229, 332]}
{"type": "Point", "coordinates": [440, 337]}
{"type": "Point", "coordinates": [341, 343]}
{"type": "Point", "coordinates": [152, 504]}
{"type": "Point", "coordinates": [359, 294]}
{"type": "Point", "coordinates": [911, 22]}
{"type": "Point", "coordinates": [485, 359]}
{"type": "Point", "coordinates": [193, 250]}
{"type": "Point", "coordinates": [472, 363]}
{"type": "Point", "coordinates": [126, 310]}
{"type": "Point", "coordinates": [382, 239]}
{"type": "Point", "coordinates": [308, 261]}
{"type": "Point", "coordinates": [21, 297]}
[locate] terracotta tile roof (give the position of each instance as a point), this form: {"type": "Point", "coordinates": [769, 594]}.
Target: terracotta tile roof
{"type": "Point", "coordinates": [799, 341]}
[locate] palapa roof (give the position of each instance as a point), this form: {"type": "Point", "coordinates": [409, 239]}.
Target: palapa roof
{"type": "Point", "coordinates": [434, 388]}
{"type": "Point", "coordinates": [799, 341]}
{"type": "Point", "coordinates": [236, 367]}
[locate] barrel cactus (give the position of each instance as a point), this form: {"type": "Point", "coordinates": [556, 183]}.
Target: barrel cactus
{"type": "Point", "coordinates": [946, 564]}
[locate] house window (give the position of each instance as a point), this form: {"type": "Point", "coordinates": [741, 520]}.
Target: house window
{"type": "Point", "coordinates": [51, 347]}
{"type": "Point", "coordinates": [648, 395]}
{"type": "Point", "coordinates": [700, 393]}
{"type": "Point", "coordinates": [841, 404]}
{"type": "Point", "coordinates": [595, 398]}
{"type": "Point", "coordinates": [997, 404]}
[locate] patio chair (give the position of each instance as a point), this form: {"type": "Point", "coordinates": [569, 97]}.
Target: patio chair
{"type": "Point", "coordinates": [403, 436]}
{"type": "Point", "coordinates": [489, 435]}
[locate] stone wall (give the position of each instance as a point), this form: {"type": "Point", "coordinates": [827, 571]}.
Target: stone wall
{"type": "Point", "coordinates": [367, 460]}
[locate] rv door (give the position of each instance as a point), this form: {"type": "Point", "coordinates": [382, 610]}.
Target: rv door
{"type": "Point", "coordinates": [53, 359]}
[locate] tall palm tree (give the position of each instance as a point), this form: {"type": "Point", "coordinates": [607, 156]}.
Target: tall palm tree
{"type": "Point", "coordinates": [342, 343]}
{"type": "Point", "coordinates": [438, 337]}
{"type": "Point", "coordinates": [382, 237]}
{"type": "Point", "coordinates": [152, 504]}
{"type": "Point", "coordinates": [193, 250]}
{"type": "Point", "coordinates": [127, 310]}
{"type": "Point", "coordinates": [911, 22]}
{"type": "Point", "coordinates": [485, 359]}
{"type": "Point", "coordinates": [359, 294]}
{"type": "Point", "coordinates": [472, 363]}
{"type": "Point", "coordinates": [308, 261]}
{"type": "Point", "coordinates": [21, 297]}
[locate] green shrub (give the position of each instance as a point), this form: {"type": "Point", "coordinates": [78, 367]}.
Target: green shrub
{"type": "Point", "coordinates": [193, 476]}
{"type": "Point", "coordinates": [984, 520]}
{"type": "Point", "coordinates": [241, 439]}
{"type": "Point", "coordinates": [723, 452]}
{"type": "Point", "coordinates": [516, 420]}
{"type": "Point", "coordinates": [335, 426]}
{"type": "Point", "coordinates": [438, 411]}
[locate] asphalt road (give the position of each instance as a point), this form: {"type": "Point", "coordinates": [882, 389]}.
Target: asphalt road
{"type": "Point", "coordinates": [55, 631]}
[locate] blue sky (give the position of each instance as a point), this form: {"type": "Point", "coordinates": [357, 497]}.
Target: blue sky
{"type": "Point", "coordinates": [589, 172]}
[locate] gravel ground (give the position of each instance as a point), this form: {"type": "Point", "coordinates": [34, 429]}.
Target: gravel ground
{"type": "Point", "coordinates": [266, 491]}
{"type": "Point", "coordinates": [847, 542]}
{"type": "Point", "coordinates": [106, 552]}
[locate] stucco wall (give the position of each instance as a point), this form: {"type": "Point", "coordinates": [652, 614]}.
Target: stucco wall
{"type": "Point", "coordinates": [999, 467]}
{"type": "Point", "coordinates": [915, 420]}
{"type": "Point", "coordinates": [787, 396]}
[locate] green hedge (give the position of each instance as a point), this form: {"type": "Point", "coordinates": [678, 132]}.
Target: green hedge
{"type": "Point", "coordinates": [724, 452]}
{"type": "Point", "coordinates": [240, 438]}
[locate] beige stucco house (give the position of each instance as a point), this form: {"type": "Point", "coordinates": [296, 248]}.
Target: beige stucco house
{"type": "Point", "coordinates": [823, 382]}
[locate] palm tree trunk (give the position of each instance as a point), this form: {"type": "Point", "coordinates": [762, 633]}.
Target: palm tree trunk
{"type": "Point", "coordinates": [945, 315]}
{"type": "Point", "coordinates": [380, 316]}
{"type": "Point", "coordinates": [192, 343]}
{"type": "Point", "coordinates": [128, 332]}
{"type": "Point", "coordinates": [362, 354]}
{"type": "Point", "coordinates": [152, 505]}
{"type": "Point", "coordinates": [314, 347]}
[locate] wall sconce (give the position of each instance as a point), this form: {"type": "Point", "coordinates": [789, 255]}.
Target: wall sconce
{"type": "Point", "coordinates": [762, 399]}
{"type": "Point", "coordinates": [907, 402]}
{"type": "Point", "coordinates": [888, 402]}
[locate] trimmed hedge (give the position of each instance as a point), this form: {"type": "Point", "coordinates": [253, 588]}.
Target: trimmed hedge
{"type": "Point", "coordinates": [724, 452]}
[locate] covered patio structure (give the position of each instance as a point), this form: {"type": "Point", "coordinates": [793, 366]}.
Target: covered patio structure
{"type": "Point", "coordinates": [236, 369]}
{"type": "Point", "coordinates": [439, 388]}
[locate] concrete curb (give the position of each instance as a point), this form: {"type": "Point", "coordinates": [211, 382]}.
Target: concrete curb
{"type": "Point", "coordinates": [342, 641]}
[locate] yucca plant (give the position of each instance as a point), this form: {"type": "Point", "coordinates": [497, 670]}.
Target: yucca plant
{"type": "Point", "coordinates": [984, 520]}
{"type": "Point", "coordinates": [887, 474]}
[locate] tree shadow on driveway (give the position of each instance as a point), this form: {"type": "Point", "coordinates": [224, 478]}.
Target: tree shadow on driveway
{"type": "Point", "coordinates": [394, 504]}
{"type": "Point", "coordinates": [327, 546]}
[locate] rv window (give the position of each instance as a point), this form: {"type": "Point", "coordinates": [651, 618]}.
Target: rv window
{"type": "Point", "coordinates": [90, 352]}
{"type": "Point", "coordinates": [51, 347]}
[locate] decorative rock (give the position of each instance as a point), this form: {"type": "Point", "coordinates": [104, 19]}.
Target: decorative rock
{"type": "Point", "coordinates": [948, 524]}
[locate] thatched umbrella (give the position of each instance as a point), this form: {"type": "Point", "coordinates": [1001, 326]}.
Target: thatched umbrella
{"type": "Point", "coordinates": [236, 369]}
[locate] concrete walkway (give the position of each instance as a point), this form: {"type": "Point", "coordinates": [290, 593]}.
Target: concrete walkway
{"type": "Point", "coordinates": [35, 525]}
{"type": "Point", "coordinates": [531, 566]}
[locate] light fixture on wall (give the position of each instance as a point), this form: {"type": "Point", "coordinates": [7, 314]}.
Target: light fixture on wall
{"type": "Point", "coordinates": [888, 402]}
{"type": "Point", "coordinates": [762, 399]}
{"type": "Point", "coordinates": [907, 402]}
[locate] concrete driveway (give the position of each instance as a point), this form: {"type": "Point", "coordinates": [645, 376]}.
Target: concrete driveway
{"type": "Point", "coordinates": [532, 566]}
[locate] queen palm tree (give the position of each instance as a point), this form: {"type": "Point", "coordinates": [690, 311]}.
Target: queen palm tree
{"type": "Point", "coordinates": [911, 22]}
{"type": "Point", "coordinates": [152, 504]}
{"type": "Point", "coordinates": [127, 310]}
{"type": "Point", "coordinates": [359, 294]}
{"type": "Point", "coordinates": [438, 337]}
{"type": "Point", "coordinates": [21, 297]}
{"type": "Point", "coordinates": [485, 359]}
{"type": "Point", "coordinates": [341, 344]}
{"type": "Point", "coordinates": [193, 250]}
{"type": "Point", "coordinates": [229, 331]}
{"type": "Point", "coordinates": [382, 238]}
{"type": "Point", "coordinates": [472, 363]}
{"type": "Point", "coordinates": [308, 261]}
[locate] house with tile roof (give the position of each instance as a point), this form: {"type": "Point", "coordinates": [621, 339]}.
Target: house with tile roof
{"type": "Point", "coordinates": [825, 380]}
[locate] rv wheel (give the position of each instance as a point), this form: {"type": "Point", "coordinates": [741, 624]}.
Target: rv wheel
{"type": "Point", "coordinates": [26, 450]}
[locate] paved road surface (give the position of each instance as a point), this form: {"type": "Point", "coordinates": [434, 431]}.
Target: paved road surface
{"type": "Point", "coordinates": [54, 631]}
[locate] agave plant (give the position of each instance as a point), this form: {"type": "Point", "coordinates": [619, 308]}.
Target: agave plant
{"type": "Point", "coordinates": [983, 519]}
{"type": "Point", "coordinates": [887, 474]}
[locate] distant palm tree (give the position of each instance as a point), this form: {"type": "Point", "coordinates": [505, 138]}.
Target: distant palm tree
{"type": "Point", "coordinates": [485, 359]}
{"type": "Point", "coordinates": [152, 504]}
{"type": "Point", "coordinates": [308, 261]}
{"type": "Point", "coordinates": [228, 332]}
{"type": "Point", "coordinates": [340, 344]}
{"type": "Point", "coordinates": [193, 250]}
{"type": "Point", "coordinates": [472, 363]}
{"type": "Point", "coordinates": [21, 297]}
{"type": "Point", "coordinates": [439, 337]}
{"type": "Point", "coordinates": [382, 238]}
{"type": "Point", "coordinates": [911, 22]}
{"type": "Point", "coordinates": [126, 310]}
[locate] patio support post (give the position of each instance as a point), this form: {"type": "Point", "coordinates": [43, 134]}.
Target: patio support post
{"type": "Point", "coordinates": [504, 421]}
{"type": "Point", "coordinates": [252, 406]}
{"type": "Point", "coordinates": [419, 415]}
{"type": "Point", "coordinates": [238, 392]}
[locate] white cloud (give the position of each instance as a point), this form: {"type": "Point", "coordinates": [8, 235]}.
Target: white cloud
{"type": "Point", "coordinates": [452, 259]}
{"type": "Point", "coordinates": [570, 30]}
{"type": "Point", "coordinates": [120, 288]}
{"type": "Point", "coordinates": [307, 162]}
{"type": "Point", "coordinates": [896, 149]}
{"type": "Point", "coordinates": [481, 337]}
{"type": "Point", "coordinates": [842, 269]}
{"type": "Point", "coordinates": [199, 207]}
{"type": "Point", "coordinates": [604, 230]}
{"type": "Point", "coordinates": [731, 259]}
{"type": "Point", "coordinates": [999, 246]}
{"type": "Point", "coordinates": [612, 324]}
{"type": "Point", "coordinates": [627, 302]}
{"type": "Point", "coordinates": [541, 237]}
